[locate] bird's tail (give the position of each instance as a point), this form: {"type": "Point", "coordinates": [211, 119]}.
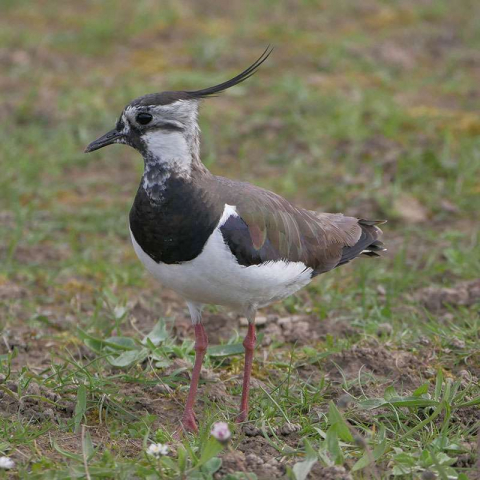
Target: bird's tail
{"type": "Point", "coordinates": [368, 244]}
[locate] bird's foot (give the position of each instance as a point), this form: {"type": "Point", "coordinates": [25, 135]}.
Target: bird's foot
{"type": "Point", "coordinates": [189, 422]}
{"type": "Point", "coordinates": [242, 417]}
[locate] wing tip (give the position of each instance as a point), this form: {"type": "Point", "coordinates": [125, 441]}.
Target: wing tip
{"type": "Point", "coordinates": [371, 223]}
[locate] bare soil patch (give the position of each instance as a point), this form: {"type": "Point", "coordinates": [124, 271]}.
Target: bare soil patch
{"type": "Point", "coordinates": [295, 329]}
{"type": "Point", "coordinates": [397, 367]}
{"type": "Point", "coordinates": [153, 400]}
{"type": "Point", "coordinates": [40, 254]}
{"type": "Point", "coordinates": [11, 290]}
{"type": "Point", "coordinates": [463, 294]}
{"type": "Point", "coordinates": [36, 403]}
{"type": "Point", "coordinates": [303, 329]}
{"type": "Point", "coordinates": [254, 454]}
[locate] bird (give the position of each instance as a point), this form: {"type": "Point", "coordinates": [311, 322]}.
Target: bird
{"type": "Point", "coordinates": [218, 241]}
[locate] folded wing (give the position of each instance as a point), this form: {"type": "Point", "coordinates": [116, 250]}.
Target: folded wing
{"type": "Point", "coordinates": [269, 228]}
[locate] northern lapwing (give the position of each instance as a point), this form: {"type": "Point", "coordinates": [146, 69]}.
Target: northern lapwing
{"type": "Point", "coordinates": [219, 241]}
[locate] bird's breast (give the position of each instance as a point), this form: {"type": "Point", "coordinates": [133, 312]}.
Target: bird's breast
{"type": "Point", "coordinates": [175, 229]}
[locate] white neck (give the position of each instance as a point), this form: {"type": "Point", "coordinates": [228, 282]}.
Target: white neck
{"type": "Point", "coordinates": [170, 150]}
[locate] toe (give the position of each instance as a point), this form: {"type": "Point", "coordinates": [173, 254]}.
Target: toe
{"type": "Point", "coordinates": [189, 423]}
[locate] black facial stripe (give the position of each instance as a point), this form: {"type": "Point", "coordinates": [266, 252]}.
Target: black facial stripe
{"type": "Point", "coordinates": [161, 125]}
{"type": "Point", "coordinates": [170, 126]}
{"type": "Point", "coordinates": [120, 125]}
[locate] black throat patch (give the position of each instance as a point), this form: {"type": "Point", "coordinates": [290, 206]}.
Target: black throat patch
{"type": "Point", "coordinates": [175, 228]}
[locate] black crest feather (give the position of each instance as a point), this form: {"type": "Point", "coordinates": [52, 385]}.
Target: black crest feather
{"type": "Point", "coordinates": [166, 98]}
{"type": "Point", "coordinates": [241, 77]}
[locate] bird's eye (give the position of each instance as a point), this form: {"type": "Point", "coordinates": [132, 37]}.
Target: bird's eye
{"type": "Point", "coordinates": [143, 118]}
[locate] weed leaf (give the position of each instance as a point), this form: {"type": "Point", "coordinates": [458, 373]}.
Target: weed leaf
{"type": "Point", "coordinates": [211, 449]}
{"type": "Point", "coordinates": [129, 358]}
{"type": "Point", "coordinates": [337, 421]}
{"type": "Point", "coordinates": [72, 456]}
{"type": "Point", "coordinates": [370, 457]}
{"type": "Point", "coordinates": [80, 407]}
{"type": "Point", "coordinates": [158, 334]}
{"type": "Point", "coordinates": [226, 350]}
{"type": "Point", "coordinates": [333, 446]}
{"type": "Point", "coordinates": [421, 390]}
{"type": "Point", "coordinates": [302, 469]}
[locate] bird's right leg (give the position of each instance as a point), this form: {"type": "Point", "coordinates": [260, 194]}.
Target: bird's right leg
{"type": "Point", "coordinates": [249, 345]}
{"type": "Point", "coordinates": [201, 343]}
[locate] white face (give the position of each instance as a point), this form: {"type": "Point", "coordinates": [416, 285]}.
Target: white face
{"type": "Point", "coordinates": [167, 137]}
{"type": "Point", "coordinates": [164, 134]}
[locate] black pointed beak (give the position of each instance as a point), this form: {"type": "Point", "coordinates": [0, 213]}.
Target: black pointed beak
{"type": "Point", "coordinates": [113, 136]}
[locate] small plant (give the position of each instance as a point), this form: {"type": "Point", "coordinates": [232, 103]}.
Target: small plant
{"type": "Point", "coordinates": [193, 461]}
{"type": "Point", "coordinates": [221, 432]}
{"type": "Point", "coordinates": [343, 441]}
{"type": "Point", "coordinates": [6, 463]}
{"type": "Point", "coordinates": [157, 450]}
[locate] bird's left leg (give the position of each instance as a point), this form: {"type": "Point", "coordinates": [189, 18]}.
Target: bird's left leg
{"type": "Point", "coordinates": [249, 345]}
{"type": "Point", "coordinates": [201, 343]}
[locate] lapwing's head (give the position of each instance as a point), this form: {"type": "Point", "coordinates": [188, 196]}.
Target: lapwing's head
{"type": "Point", "coordinates": [153, 123]}
{"type": "Point", "coordinates": [164, 125]}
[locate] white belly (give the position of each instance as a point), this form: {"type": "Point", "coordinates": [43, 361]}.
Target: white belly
{"type": "Point", "coordinates": [215, 277]}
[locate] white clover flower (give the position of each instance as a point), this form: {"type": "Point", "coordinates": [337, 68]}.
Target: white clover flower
{"type": "Point", "coordinates": [221, 432]}
{"type": "Point", "coordinates": [157, 449]}
{"type": "Point", "coordinates": [6, 463]}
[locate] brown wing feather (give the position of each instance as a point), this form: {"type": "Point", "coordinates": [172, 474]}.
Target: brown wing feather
{"type": "Point", "coordinates": [279, 230]}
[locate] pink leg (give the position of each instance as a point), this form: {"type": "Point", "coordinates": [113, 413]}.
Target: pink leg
{"type": "Point", "coordinates": [201, 343]}
{"type": "Point", "coordinates": [249, 344]}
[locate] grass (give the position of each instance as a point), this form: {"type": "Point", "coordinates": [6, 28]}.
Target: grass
{"type": "Point", "coordinates": [370, 108]}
